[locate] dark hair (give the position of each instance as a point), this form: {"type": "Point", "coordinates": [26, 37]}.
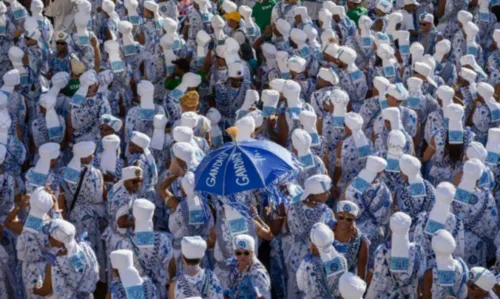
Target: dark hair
{"type": "Point", "coordinates": [182, 63]}
{"type": "Point", "coordinates": [496, 11]}
{"type": "Point", "coordinates": [246, 51]}
{"type": "Point", "coordinates": [454, 151]}
{"type": "Point", "coordinates": [191, 262]}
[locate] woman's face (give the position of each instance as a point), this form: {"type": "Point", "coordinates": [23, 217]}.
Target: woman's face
{"type": "Point", "coordinates": [345, 221]}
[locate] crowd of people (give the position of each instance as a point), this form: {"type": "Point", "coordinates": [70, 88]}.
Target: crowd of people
{"type": "Point", "coordinates": [390, 110]}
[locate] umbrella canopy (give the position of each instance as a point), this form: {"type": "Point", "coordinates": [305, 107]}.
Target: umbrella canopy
{"type": "Point", "coordinates": [242, 166]}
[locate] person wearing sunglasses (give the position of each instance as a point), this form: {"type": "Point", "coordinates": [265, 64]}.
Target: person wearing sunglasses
{"type": "Point", "coordinates": [349, 240]}
{"type": "Point", "coordinates": [247, 276]}
{"type": "Point", "coordinates": [187, 283]}
{"type": "Point", "coordinates": [309, 209]}
{"type": "Point", "coordinates": [428, 36]}
{"type": "Point", "coordinates": [320, 270]}
{"type": "Point", "coordinates": [398, 263]}
{"type": "Point", "coordinates": [481, 283]}
{"type": "Point", "coordinates": [60, 60]}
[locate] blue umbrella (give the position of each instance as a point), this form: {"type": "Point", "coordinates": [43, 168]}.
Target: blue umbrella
{"type": "Point", "coordinates": [242, 166]}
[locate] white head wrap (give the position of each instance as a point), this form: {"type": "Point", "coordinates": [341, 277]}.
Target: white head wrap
{"type": "Point", "coordinates": [40, 204]}
{"type": "Point", "coordinates": [301, 141]}
{"type": "Point", "coordinates": [445, 192]}
{"type": "Point", "coordinates": [244, 241]}
{"type": "Point", "coordinates": [81, 150]}
{"type": "Point", "coordinates": [316, 184]}
{"type": "Point", "coordinates": [193, 247]}
{"type": "Point", "coordinates": [322, 237]}
{"type": "Point", "coordinates": [109, 156]}
{"type": "Point", "coordinates": [351, 286]}
{"type": "Point", "coordinates": [374, 166]}
{"type": "Point", "coordinates": [47, 153]}
{"type": "Point", "coordinates": [400, 243]}
{"type": "Point", "coordinates": [443, 245]}
{"type": "Point", "coordinates": [123, 261]}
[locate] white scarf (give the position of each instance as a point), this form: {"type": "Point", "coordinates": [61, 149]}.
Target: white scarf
{"type": "Point", "coordinates": [465, 189]}
{"type": "Point", "coordinates": [494, 107]}
{"type": "Point", "coordinates": [158, 140]}
{"type": "Point", "coordinates": [83, 35]}
{"type": "Point", "coordinates": [446, 269]}
{"type": "Point", "coordinates": [195, 207]}
{"type": "Point", "coordinates": [417, 185]}
{"type": "Point", "coordinates": [54, 128]}
{"type": "Point", "coordinates": [361, 142]}
{"type": "Point", "coordinates": [339, 110]}
{"type": "Point", "coordinates": [437, 217]}
{"type": "Point", "coordinates": [109, 157]}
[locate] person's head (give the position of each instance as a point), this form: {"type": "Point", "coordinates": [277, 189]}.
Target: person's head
{"type": "Point", "coordinates": [466, 77]}
{"type": "Point", "coordinates": [189, 101]}
{"type": "Point", "coordinates": [132, 178]}
{"type": "Point", "coordinates": [77, 68]}
{"type": "Point", "coordinates": [109, 125]}
{"type": "Point", "coordinates": [233, 19]}
{"type": "Point", "coordinates": [236, 72]}
{"type": "Point", "coordinates": [281, 28]}
{"type": "Point", "coordinates": [411, 5]}
{"type": "Point", "coordinates": [62, 39]}
{"type": "Point", "coordinates": [347, 211]}
{"type": "Point", "coordinates": [181, 66]}
{"type": "Point", "coordinates": [346, 57]}
{"type": "Point", "coordinates": [317, 188]}
{"type": "Point", "coordinates": [351, 286]}
{"type": "Point", "coordinates": [31, 37]}
{"type": "Point", "coordinates": [49, 151]}
{"type": "Point", "coordinates": [463, 17]}
{"type": "Point", "coordinates": [409, 166]}
{"type": "Point", "coordinates": [444, 95]}
{"type": "Point", "coordinates": [426, 22]}
{"type": "Point", "coordinates": [139, 143]}
{"type": "Point", "coordinates": [184, 153]}
{"type": "Point", "coordinates": [396, 94]}
{"type": "Point", "coordinates": [326, 77]}
{"type": "Point", "coordinates": [83, 153]}
{"type": "Point", "coordinates": [62, 235]}
{"type": "Point", "coordinates": [481, 282]}
{"type": "Point", "coordinates": [150, 9]}
{"type": "Point", "coordinates": [296, 65]}
{"type": "Point", "coordinates": [244, 246]}
{"type": "Point", "coordinates": [193, 250]}
{"type": "Point", "coordinates": [330, 53]}
{"type": "Point", "coordinates": [454, 145]}
{"type": "Point", "coordinates": [352, 4]}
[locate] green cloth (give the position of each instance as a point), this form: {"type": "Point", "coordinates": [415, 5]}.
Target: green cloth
{"type": "Point", "coordinates": [171, 84]}
{"type": "Point", "coordinates": [71, 88]}
{"type": "Point", "coordinates": [253, 65]}
{"type": "Point", "coordinates": [261, 12]}
{"type": "Point", "coordinates": [355, 14]}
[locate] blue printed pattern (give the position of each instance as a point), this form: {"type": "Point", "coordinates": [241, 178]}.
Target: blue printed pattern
{"type": "Point", "coordinates": [238, 225]}
{"type": "Point", "coordinates": [334, 266]}
{"type": "Point", "coordinates": [433, 226]}
{"type": "Point", "coordinates": [399, 263]}
{"type": "Point", "coordinates": [144, 238]}
{"type": "Point", "coordinates": [135, 292]}
{"type": "Point", "coordinates": [462, 196]}
{"type": "Point", "coordinates": [78, 261]}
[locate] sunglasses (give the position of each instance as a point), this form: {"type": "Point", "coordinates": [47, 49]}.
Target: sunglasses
{"type": "Point", "coordinates": [236, 80]}
{"type": "Point", "coordinates": [346, 218]}
{"type": "Point", "coordinates": [136, 182]}
{"type": "Point", "coordinates": [238, 253]}
{"type": "Point", "coordinates": [61, 43]}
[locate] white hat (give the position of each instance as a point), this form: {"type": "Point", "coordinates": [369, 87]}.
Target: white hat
{"type": "Point", "coordinates": [468, 75]}
{"type": "Point", "coordinates": [114, 122]}
{"type": "Point", "coordinates": [277, 84]}
{"type": "Point", "coordinates": [381, 84]}
{"type": "Point", "coordinates": [81, 150]}
{"type": "Point", "coordinates": [269, 50]}
{"type": "Point", "coordinates": [381, 38]}
{"type": "Point", "coordinates": [331, 49]}
{"type": "Point", "coordinates": [374, 166]}
{"type": "Point", "coordinates": [62, 36]}
{"type": "Point", "coordinates": [410, 2]}
{"type": "Point", "coordinates": [351, 286]}
{"type": "Point", "coordinates": [121, 259]}
{"type": "Point", "coordinates": [316, 184]}
{"type": "Point", "coordinates": [443, 245]}
{"type": "Point", "coordinates": [190, 119]}
{"type": "Point", "coordinates": [64, 232]}
{"type": "Point", "coordinates": [109, 156]}
{"type": "Point", "coordinates": [426, 71]}
{"type": "Point", "coordinates": [183, 134]}
{"type": "Point", "coordinates": [483, 278]}
{"type": "Point", "coordinates": [329, 75]}
{"type": "Point", "coordinates": [426, 17]}
{"type": "Point", "coordinates": [347, 55]}
{"type": "Point", "coordinates": [410, 166]}
{"type": "Point", "coordinates": [244, 241]}
{"type": "Point", "coordinates": [338, 10]}
{"type": "Point", "coordinates": [236, 70]}
{"type": "Point", "coordinates": [298, 36]}
{"type": "Point", "coordinates": [131, 172]}
{"type": "Point", "coordinates": [229, 6]}
{"type": "Point", "coordinates": [47, 152]}
{"type": "Point", "coordinates": [11, 79]}
{"type": "Point", "coordinates": [143, 211]}
{"type": "Point", "coordinates": [398, 91]}
{"type": "Point", "coordinates": [297, 64]}
{"type": "Point", "coordinates": [193, 247]}
{"type": "Point", "coordinates": [40, 204]}
{"type": "Point", "coordinates": [186, 152]}
{"type": "Point", "coordinates": [283, 27]}
{"type": "Point", "coordinates": [384, 6]}
{"type": "Point", "coordinates": [349, 207]}
{"type": "Point", "coordinates": [257, 116]}
{"type": "Point", "coordinates": [400, 242]}
{"type": "Point", "coordinates": [443, 47]}
{"type": "Point", "coordinates": [477, 150]}
{"type": "Point", "coordinates": [270, 99]}
{"type": "Point", "coordinates": [464, 16]}
{"type": "Point", "coordinates": [445, 94]}
{"type": "Point", "coordinates": [485, 90]}
{"type": "Point", "coordinates": [140, 139]}
{"type": "Point", "coordinates": [301, 142]}
{"type": "Point", "coordinates": [246, 126]}
{"type": "Point", "coordinates": [470, 60]}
